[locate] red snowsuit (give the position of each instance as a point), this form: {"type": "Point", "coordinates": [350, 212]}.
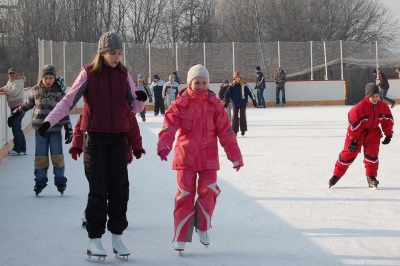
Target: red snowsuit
{"type": "Point", "coordinates": [200, 119]}
{"type": "Point", "coordinates": [364, 120]}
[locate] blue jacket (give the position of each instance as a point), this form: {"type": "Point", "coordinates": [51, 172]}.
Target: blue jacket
{"type": "Point", "coordinates": [238, 95]}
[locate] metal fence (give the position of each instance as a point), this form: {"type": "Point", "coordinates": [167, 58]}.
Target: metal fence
{"type": "Point", "coordinates": [221, 59]}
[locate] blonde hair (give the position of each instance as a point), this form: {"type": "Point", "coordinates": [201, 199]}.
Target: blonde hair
{"type": "Point", "coordinates": [98, 65]}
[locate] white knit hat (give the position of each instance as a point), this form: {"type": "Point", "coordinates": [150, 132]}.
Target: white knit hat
{"type": "Point", "coordinates": [197, 71]}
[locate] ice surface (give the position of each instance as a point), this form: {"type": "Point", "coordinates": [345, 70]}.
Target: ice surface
{"type": "Point", "coordinates": [277, 210]}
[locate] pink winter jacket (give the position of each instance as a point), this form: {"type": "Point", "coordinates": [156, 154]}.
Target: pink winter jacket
{"type": "Point", "coordinates": [200, 119]}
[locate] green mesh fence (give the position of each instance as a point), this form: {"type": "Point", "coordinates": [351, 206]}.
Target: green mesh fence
{"type": "Point", "coordinates": [221, 59]}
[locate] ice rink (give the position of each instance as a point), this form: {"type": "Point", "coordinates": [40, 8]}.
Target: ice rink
{"type": "Point", "coordinates": [277, 210]}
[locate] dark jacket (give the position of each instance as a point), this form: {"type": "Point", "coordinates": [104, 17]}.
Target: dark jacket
{"type": "Point", "coordinates": [238, 94]}
{"type": "Point", "coordinates": [280, 79]}
{"type": "Point", "coordinates": [383, 82]}
{"type": "Point", "coordinates": [222, 91]}
{"type": "Point", "coordinates": [260, 83]}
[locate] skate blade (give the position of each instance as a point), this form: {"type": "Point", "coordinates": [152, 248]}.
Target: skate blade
{"type": "Point", "coordinates": [99, 258]}
{"type": "Point", "coordinates": [123, 257]}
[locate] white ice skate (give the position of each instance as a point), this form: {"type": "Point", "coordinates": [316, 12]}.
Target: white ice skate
{"type": "Point", "coordinates": [96, 249]}
{"type": "Point", "coordinates": [204, 237]}
{"type": "Point", "coordinates": [180, 246]}
{"type": "Point", "coordinates": [120, 251]}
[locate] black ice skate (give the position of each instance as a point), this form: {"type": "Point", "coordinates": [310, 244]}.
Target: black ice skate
{"type": "Point", "coordinates": [61, 188]}
{"type": "Point", "coordinates": [372, 182]}
{"type": "Point", "coordinates": [38, 189]}
{"type": "Point", "coordinates": [333, 181]}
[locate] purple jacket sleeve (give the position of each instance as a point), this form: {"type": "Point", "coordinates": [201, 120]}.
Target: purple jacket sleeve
{"type": "Point", "coordinates": [68, 102]}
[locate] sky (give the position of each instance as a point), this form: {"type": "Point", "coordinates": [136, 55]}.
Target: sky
{"type": "Point", "coordinates": [277, 210]}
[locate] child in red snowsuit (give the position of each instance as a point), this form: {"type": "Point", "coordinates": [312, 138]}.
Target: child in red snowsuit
{"type": "Point", "coordinates": [364, 131]}
{"type": "Point", "coordinates": [200, 119]}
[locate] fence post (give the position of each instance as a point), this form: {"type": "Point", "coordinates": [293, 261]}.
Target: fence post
{"type": "Point", "coordinates": [65, 78]}
{"type": "Point", "coordinates": [51, 53]}
{"type": "Point", "coordinates": [311, 57]}
{"type": "Point", "coordinates": [233, 55]}
{"type": "Point", "coordinates": [204, 53]}
{"type": "Point", "coordinates": [81, 55]}
{"type": "Point", "coordinates": [376, 54]}
{"type": "Point", "coordinates": [326, 66]}
{"type": "Point", "coordinates": [124, 53]}
{"type": "Point", "coordinates": [176, 57]}
{"type": "Point", "coordinates": [279, 54]}
{"type": "Point", "coordinates": [341, 60]}
{"type": "Point", "coordinates": [149, 62]}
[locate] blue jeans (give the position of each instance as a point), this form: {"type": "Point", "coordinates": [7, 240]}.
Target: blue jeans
{"type": "Point", "coordinates": [52, 141]}
{"type": "Point", "coordinates": [278, 90]}
{"type": "Point", "coordinates": [260, 97]}
{"type": "Point", "coordinates": [19, 137]}
{"type": "Point", "coordinates": [382, 96]}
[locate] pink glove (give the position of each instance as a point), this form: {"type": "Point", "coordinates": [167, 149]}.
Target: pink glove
{"type": "Point", "coordinates": [237, 167]}
{"type": "Point", "coordinates": [163, 155]}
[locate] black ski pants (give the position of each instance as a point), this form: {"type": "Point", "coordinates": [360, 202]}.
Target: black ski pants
{"type": "Point", "coordinates": [107, 174]}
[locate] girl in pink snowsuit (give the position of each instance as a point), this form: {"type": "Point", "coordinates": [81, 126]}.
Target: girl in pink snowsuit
{"type": "Point", "coordinates": [199, 117]}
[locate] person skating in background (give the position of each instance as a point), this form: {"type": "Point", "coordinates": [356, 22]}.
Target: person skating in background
{"type": "Point", "coordinates": [364, 130]}
{"type": "Point", "coordinates": [384, 86]}
{"type": "Point", "coordinates": [134, 148]}
{"type": "Point", "coordinates": [170, 90]}
{"type": "Point", "coordinates": [142, 86]}
{"type": "Point", "coordinates": [43, 98]}
{"type": "Point", "coordinates": [200, 120]}
{"type": "Point", "coordinates": [238, 93]}
{"type": "Point", "coordinates": [156, 88]}
{"type": "Point", "coordinates": [260, 87]}
{"type": "Point", "coordinates": [221, 93]}
{"type": "Point", "coordinates": [176, 79]}
{"type": "Point", "coordinates": [398, 71]}
{"type": "Point", "coordinates": [14, 89]}
{"type": "Point", "coordinates": [280, 80]}
{"type": "Point", "coordinates": [108, 91]}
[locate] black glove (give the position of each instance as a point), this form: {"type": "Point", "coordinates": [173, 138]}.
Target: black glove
{"type": "Point", "coordinates": [138, 154]}
{"type": "Point", "coordinates": [225, 103]}
{"type": "Point", "coordinates": [43, 128]}
{"type": "Point", "coordinates": [387, 140]}
{"type": "Point", "coordinates": [353, 146]}
{"type": "Point", "coordinates": [10, 120]}
{"type": "Point", "coordinates": [254, 103]}
{"type": "Point", "coordinates": [141, 96]}
{"type": "Point", "coordinates": [69, 133]}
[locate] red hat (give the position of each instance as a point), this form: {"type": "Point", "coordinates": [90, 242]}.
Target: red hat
{"type": "Point", "coordinates": [237, 73]}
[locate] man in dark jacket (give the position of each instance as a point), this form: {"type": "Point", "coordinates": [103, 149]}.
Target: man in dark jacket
{"type": "Point", "coordinates": [280, 80]}
{"type": "Point", "coordinates": [260, 87]}
{"type": "Point", "coordinates": [384, 87]}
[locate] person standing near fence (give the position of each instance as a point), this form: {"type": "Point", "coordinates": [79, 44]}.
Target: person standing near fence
{"type": "Point", "coordinates": [170, 90]}
{"type": "Point", "coordinates": [177, 80]}
{"type": "Point", "coordinates": [228, 105]}
{"type": "Point", "coordinates": [384, 86]}
{"type": "Point", "coordinates": [14, 89]}
{"type": "Point", "coordinates": [197, 120]}
{"type": "Point", "coordinates": [280, 80]}
{"type": "Point", "coordinates": [108, 91]}
{"type": "Point", "coordinates": [260, 87]}
{"type": "Point", "coordinates": [238, 92]}
{"type": "Point", "coordinates": [364, 130]}
{"type": "Point", "coordinates": [156, 88]}
{"type": "Point", "coordinates": [142, 86]}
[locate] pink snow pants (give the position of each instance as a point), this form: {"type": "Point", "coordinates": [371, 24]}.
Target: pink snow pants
{"type": "Point", "coordinates": [187, 212]}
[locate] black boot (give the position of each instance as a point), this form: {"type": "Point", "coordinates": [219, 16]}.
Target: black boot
{"type": "Point", "coordinates": [38, 189]}
{"type": "Point", "coordinates": [372, 182]}
{"type": "Point", "coordinates": [61, 188]}
{"type": "Point", "coordinates": [333, 181]}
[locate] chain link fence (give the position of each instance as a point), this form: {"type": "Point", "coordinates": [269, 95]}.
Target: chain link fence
{"type": "Point", "coordinates": [221, 59]}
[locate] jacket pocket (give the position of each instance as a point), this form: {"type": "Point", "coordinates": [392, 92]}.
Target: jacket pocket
{"type": "Point", "coordinates": [210, 121]}
{"type": "Point", "coordinates": [186, 120]}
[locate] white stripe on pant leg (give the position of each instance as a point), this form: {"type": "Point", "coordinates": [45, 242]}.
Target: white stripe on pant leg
{"type": "Point", "coordinates": [181, 224]}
